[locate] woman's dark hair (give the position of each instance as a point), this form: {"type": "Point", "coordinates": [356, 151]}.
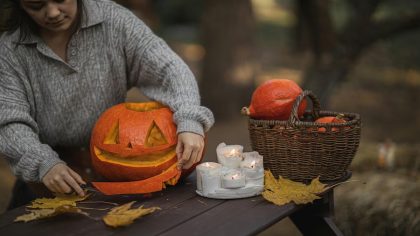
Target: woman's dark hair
{"type": "Point", "coordinates": [13, 17]}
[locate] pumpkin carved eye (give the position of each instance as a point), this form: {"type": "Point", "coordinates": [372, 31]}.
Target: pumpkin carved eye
{"type": "Point", "coordinates": [155, 137]}
{"type": "Point", "coordinates": [134, 141]}
{"type": "Point", "coordinates": [112, 135]}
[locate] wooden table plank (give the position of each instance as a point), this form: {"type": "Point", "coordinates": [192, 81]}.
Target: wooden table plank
{"type": "Point", "coordinates": [183, 213]}
{"type": "Point", "coordinates": [77, 224]}
{"type": "Point", "coordinates": [235, 217]}
{"type": "Point", "coordinates": [173, 215]}
{"type": "Point", "coordinates": [163, 220]}
{"type": "Point", "coordinates": [253, 216]}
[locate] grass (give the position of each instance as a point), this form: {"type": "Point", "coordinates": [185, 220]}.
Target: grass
{"type": "Point", "coordinates": [381, 203]}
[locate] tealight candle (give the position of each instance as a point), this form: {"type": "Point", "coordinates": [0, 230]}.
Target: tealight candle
{"type": "Point", "coordinates": [209, 168]}
{"type": "Point", "coordinates": [229, 155]}
{"type": "Point", "coordinates": [208, 177]}
{"type": "Point", "coordinates": [252, 166]}
{"type": "Point", "coordinates": [233, 179]}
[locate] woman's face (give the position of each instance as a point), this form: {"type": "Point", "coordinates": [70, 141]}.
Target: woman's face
{"type": "Point", "coordinates": [52, 15]}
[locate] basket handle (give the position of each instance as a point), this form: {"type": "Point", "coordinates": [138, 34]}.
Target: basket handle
{"type": "Point", "coordinates": [316, 106]}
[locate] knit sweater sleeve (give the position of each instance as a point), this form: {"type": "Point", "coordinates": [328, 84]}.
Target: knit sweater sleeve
{"type": "Point", "coordinates": [19, 142]}
{"type": "Point", "coordinates": [162, 76]}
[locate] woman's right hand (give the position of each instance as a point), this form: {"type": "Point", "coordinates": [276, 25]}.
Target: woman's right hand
{"type": "Point", "coordinates": [62, 179]}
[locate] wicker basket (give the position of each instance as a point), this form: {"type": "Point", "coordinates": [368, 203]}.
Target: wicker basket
{"type": "Point", "coordinates": [298, 150]}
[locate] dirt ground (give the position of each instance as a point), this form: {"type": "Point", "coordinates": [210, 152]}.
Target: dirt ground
{"type": "Point", "coordinates": [6, 183]}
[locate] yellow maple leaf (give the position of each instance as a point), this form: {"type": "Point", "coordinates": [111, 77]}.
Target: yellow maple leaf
{"type": "Point", "coordinates": [270, 181]}
{"type": "Point", "coordinates": [47, 207]}
{"type": "Point", "coordinates": [123, 215]}
{"type": "Point", "coordinates": [283, 191]}
{"type": "Point", "coordinates": [59, 200]}
{"type": "Point", "coordinates": [49, 212]}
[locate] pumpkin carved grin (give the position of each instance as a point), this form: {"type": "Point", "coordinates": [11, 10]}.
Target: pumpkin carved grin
{"type": "Point", "coordinates": [152, 159]}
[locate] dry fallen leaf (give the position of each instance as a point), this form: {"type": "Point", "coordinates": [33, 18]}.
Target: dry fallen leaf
{"type": "Point", "coordinates": [47, 207]}
{"type": "Point", "coordinates": [60, 200]}
{"type": "Point", "coordinates": [123, 215]}
{"type": "Point", "coordinates": [283, 191]}
{"type": "Point", "coordinates": [49, 212]}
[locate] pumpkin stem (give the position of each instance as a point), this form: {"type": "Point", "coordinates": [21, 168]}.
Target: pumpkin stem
{"type": "Point", "coordinates": [340, 116]}
{"type": "Point", "coordinates": [90, 208]}
{"type": "Point", "coordinates": [105, 202]}
{"type": "Point", "coordinates": [245, 111]}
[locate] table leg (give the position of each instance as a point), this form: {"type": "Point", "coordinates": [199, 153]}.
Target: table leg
{"type": "Point", "coordinates": [317, 219]}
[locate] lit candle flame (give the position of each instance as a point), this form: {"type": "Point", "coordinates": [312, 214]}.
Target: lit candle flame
{"type": "Point", "coordinates": [232, 152]}
{"type": "Point", "coordinates": [235, 176]}
{"type": "Point", "coordinates": [208, 165]}
{"type": "Point", "coordinates": [253, 164]}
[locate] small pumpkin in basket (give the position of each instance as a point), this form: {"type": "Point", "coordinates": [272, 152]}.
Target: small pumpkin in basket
{"type": "Point", "coordinates": [134, 143]}
{"type": "Point", "coordinates": [330, 119]}
{"type": "Point", "coordinates": [273, 100]}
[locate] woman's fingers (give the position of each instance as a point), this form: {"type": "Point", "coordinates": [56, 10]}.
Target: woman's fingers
{"type": "Point", "coordinates": [62, 186]}
{"type": "Point", "coordinates": [70, 180]}
{"type": "Point", "coordinates": [77, 177]}
{"type": "Point", "coordinates": [61, 179]}
{"type": "Point", "coordinates": [197, 151]}
{"type": "Point", "coordinates": [200, 154]}
{"type": "Point", "coordinates": [179, 150]}
{"type": "Point", "coordinates": [191, 146]}
{"type": "Point", "coordinates": [51, 186]}
{"type": "Point", "coordinates": [186, 155]}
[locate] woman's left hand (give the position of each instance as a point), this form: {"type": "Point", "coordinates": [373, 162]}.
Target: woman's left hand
{"type": "Point", "coordinates": [189, 149]}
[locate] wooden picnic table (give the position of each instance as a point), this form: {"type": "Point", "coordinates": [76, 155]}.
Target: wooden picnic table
{"type": "Point", "coordinates": [183, 212]}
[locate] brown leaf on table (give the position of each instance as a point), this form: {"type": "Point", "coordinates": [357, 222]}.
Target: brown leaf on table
{"type": "Point", "coordinates": [59, 200]}
{"type": "Point", "coordinates": [49, 212]}
{"type": "Point", "coordinates": [48, 207]}
{"type": "Point", "coordinates": [123, 215]}
{"type": "Point", "coordinates": [283, 191]}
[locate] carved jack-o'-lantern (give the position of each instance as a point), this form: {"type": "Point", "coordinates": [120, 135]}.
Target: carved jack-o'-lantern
{"type": "Point", "coordinates": [135, 142]}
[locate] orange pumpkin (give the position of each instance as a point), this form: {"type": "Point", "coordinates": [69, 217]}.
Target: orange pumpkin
{"type": "Point", "coordinates": [330, 119]}
{"type": "Point", "coordinates": [273, 100]}
{"type": "Point", "coordinates": [134, 144]}
{"type": "Point", "coordinates": [133, 141]}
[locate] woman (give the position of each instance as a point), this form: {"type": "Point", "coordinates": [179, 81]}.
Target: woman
{"type": "Point", "coordinates": [63, 62]}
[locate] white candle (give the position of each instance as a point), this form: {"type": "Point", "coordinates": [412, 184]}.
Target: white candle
{"type": "Point", "coordinates": [208, 177]}
{"type": "Point", "coordinates": [252, 166]}
{"type": "Point", "coordinates": [233, 179]}
{"type": "Point", "coordinates": [229, 155]}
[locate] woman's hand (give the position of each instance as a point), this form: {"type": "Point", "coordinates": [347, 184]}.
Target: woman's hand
{"type": "Point", "coordinates": [62, 179]}
{"type": "Point", "coordinates": [189, 149]}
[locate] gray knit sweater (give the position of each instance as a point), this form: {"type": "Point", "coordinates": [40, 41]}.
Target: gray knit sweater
{"type": "Point", "coordinates": [47, 102]}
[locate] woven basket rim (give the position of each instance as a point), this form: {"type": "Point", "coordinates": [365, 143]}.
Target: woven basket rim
{"type": "Point", "coordinates": [355, 120]}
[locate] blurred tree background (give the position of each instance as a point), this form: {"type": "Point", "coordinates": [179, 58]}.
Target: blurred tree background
{"type": "Point", "coordinates": [359, 56]}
